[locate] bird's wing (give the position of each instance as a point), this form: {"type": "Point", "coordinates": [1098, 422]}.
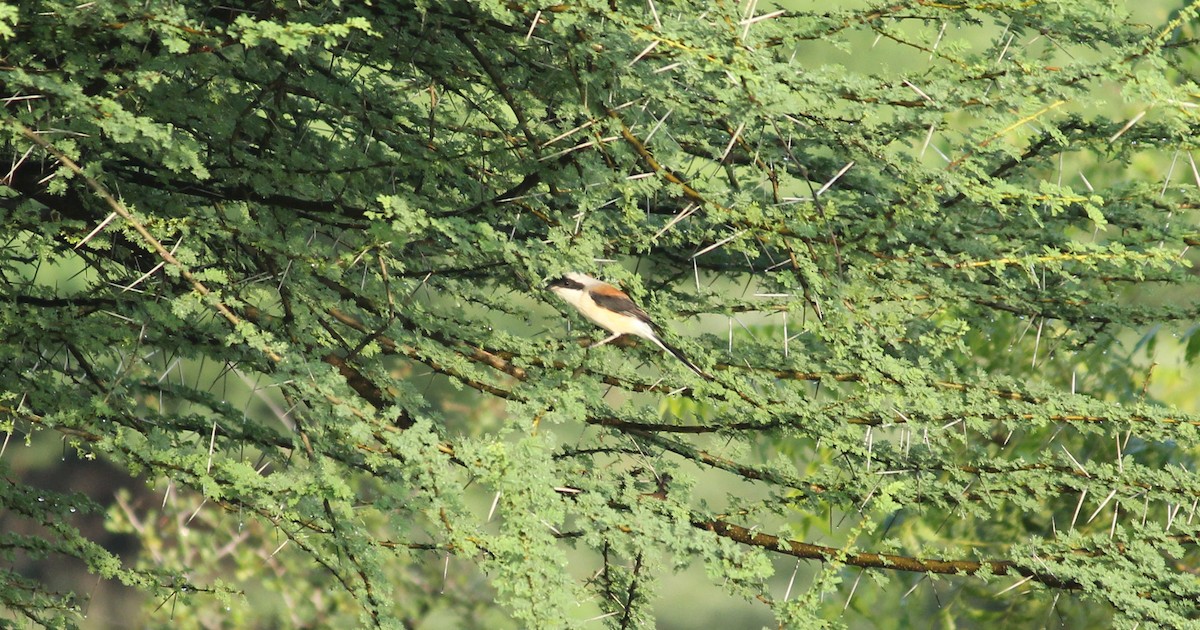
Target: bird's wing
{"type": "Point", "coordinates": [620, 303]}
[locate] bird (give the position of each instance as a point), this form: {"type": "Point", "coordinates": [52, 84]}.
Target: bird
{"type": "Point", "coordinates": [613, 310]}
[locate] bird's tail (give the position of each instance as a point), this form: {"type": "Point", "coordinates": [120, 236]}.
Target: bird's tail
{"type": "Point", "coordinates": [678, 354]}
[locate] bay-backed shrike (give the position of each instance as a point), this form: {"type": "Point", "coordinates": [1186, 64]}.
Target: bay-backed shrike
{"type": "Point", "coordinates": [609, 307]}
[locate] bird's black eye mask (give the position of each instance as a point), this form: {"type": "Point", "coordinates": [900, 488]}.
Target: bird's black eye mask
{"type": "Point", "coordinates": [565, 283]}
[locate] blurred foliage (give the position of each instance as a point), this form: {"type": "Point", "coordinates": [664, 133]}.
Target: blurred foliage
{"type": "Point", "coordinates": [285, 264]}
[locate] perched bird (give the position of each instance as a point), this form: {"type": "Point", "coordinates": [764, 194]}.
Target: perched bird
{"type": "Point", "coordinates": [612, 310]}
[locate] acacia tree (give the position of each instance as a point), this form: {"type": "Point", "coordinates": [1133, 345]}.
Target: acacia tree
{"type": "Point", "coordinates": [287, 261]}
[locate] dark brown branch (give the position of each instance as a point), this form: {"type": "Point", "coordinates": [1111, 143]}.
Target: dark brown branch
{"type": "Point", "coordinates": [894, 562]}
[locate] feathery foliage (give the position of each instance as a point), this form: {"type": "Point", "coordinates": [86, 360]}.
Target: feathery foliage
{"type": "Point", "coordinates": [286, 262]}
